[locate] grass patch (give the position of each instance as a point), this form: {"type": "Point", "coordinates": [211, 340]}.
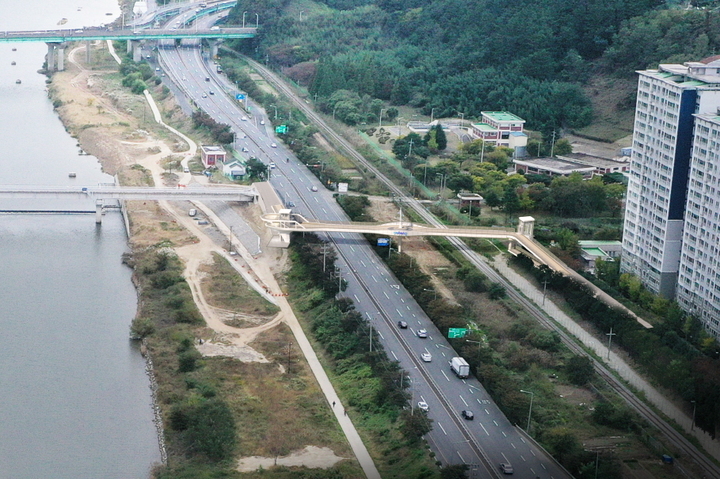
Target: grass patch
{"type": "Point", "coordinates": [226, 288]}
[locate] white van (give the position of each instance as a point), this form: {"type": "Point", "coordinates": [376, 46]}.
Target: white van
{"type": "Point", "coordinates": [192, 212]}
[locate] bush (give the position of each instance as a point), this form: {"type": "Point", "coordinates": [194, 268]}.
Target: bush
{"type": "Point", "coordinates": [474, 281]}
{"type": "Point", "coordinates": [188, 361]}
{"type": "Point", "coordinates": [580, 370]}
{"type": "Point", "coordinates": [212, 429]}
{"type": "Point", "coordinates": [497, 291]}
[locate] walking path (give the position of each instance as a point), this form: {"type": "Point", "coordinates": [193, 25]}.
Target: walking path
{"type": "Point", "coordinates": [614, 362]}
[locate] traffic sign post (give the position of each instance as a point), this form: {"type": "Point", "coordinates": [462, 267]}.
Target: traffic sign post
{"type": "Point", "coordinates": [281, 129]}
{"type": "Point", "coordinates": [239, 97]}
{"type": "Point", "coordinates": [457, 333]}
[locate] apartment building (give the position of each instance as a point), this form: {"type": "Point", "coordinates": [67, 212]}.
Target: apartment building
{"type": "Point", "coordinates": [664, 219]}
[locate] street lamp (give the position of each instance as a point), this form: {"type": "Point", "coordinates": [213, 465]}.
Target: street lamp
{"type": "Point", "coordinates": [692, 428]}
{"type": "Point", "coordinates": [532, 395]}
{"type": "Point", "coordinates": [433, 290]}
{"type": "Point", "coordinates": [257, 20]}
{"type": "Point", "coordinates": [275, 110]}
{"type": "Point", "coordinates": [432, 115]}
{"type": "Point", "coordinates": [301, 12]}
{"type": "Point", "coordinates": [244, 19]}
{"type": "Point", "coordinates": [381, 114]}
{"type": "Point", "coordinates": [462, 119]}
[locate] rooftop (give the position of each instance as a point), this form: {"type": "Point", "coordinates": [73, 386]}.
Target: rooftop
{"type": "Point", "coordinates": [689, 74]}
{"type": "Point", "coordinates": [595, 161]}
{"type": "Point", "coordinates": [484, 127]}
{"type": "Point", "coordinates": [503, 116]}
{"type": "Point", "coordinates": [555, 165]}
{"type": "Point", "coordinates": [212, 149]}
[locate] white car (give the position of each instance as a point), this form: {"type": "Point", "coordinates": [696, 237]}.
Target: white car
{"type": "Point", "coordinates": [313, 188]}
{"type": "Point", "coordinates": [422, 333]}
{"type": "Point", "coordinates": [244, 118]}
{"type": "Point", "coordinates": [262, 122]}
{"type": "Point", "coordinates": [427, 357]}
{"type": "Point", "coordinates": [273, 145]}
{"type": "Point", "coordinates": [271, 165]}
{"type": "Point", "coordinates": [186, 170]}
{"type": "Point", "coordinates": [423, 405]}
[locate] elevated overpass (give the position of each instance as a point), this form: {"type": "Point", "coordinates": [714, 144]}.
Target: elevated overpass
{"type": "Point", "coordinates": [286, 221]}
{"type": "Point", "coordinates": [102, 193]}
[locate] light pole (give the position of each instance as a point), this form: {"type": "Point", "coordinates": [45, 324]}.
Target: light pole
{"type": "Point", "coordinates": [462, 119]}
{"type": "Point", "coordinates": [381, 113]}
{"type": "Point", "coordinates": [532, 395]}
{"type": "Point", "coordinates": [275, 110]}
{"type": "Point", "coordinates": [257, 20]}
{"type": "Point", "coordinates": [244, 19]}
{"type": "Point", "coordinates": [371, 329]}
{"type": "Point", "coordinates": [334, 109]}
{"type": "Point", "coordinates": [610, 335]}
{"type": "Point", "coordinates": [432, 115]}
{"type": "Point", "coordinates": [301, 12]}
{"type": "Point", "coordinates": [692, 427]}
{"type": "Point", "coordinates": [434, 292]}
{"type": "Point", "coordinates": [479, 343]}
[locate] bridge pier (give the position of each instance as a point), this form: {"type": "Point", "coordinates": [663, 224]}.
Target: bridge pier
{"type": "Point", "coordinates": [87, 52]}
{"type": "Point", "coordinates": [136, 51]}
{"type": "Point", "coordinates": [98, 211]}
{"type": "Point", "coordinates": [55, 57]}
{"type": "Point", "coordinates": [214, 46]}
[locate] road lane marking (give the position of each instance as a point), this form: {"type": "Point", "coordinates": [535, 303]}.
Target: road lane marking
{"type": "Point", "coordinates": [356, 298]}
{"type": "Point", "coordinates": [402, 300]}
{"type": "Point", "coordinates": [523, 458]}
{"type": "Point", "coordinates": [463, 400]}
{"type": "Point", "coordinates": [363, 263]}
{"type": "Point", "coordinates": [512, 444]}
{"type": "Point", "coordinates": [495, 422]}
{"type": "Point", "coordinates": [393, 353]}
{"type": "Point", "coordinates": [486, 411]}
{"type": "Point", "coordinates": [486, 431]}
{"type": "Point", "coordinates": [443, 373]}
{"type": "Point", "coordinates": [443, 429]}
{"type": "Point", "coordinates": [461, 458]}
{"type": "Point", "coordinates": [471, 391]}
{"type": "Point", "coordinates": [381, 336]}
{"type": "Point", "coordinates": [408, 308]}
{"type": "Point", "coordinates": [398, 311]}
{"type": "Point", "coordinates": [374, 278]}
{"type": "Point", "coordinates": [388, 297]}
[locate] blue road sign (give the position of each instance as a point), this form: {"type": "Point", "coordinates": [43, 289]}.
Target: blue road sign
{"type": "Point", "coordinates": [239, 96]}
{"type": "Point", "coordinates": [383, 241]}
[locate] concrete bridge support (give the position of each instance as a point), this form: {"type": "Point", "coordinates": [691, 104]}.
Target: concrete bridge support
{"type": "Point", "coordinates": [98, 211]}
{"type": "Point", "coordinates": [136, 51]}
{"type": "Point", "coordinates": [214, 45]}
{"type": "Point", "coordinates": [87, 52]}
{"type": "Point", "coordinates": [129, 44]}
{"type": "Point", "coordinates": [55, 57]}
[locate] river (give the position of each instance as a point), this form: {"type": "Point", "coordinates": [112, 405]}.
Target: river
{"type": "Point", "coordinates": [76, 401]}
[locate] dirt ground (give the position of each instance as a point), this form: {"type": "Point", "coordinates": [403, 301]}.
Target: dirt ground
{"type": "Point", "coordinates": [104, 118]}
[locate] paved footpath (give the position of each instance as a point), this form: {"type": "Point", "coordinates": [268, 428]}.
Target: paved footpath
{"type": "Point", "coordinates": [615, 362]}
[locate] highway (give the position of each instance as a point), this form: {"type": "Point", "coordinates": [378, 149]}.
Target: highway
{"type": "Point", "coordinates": [483, 443]}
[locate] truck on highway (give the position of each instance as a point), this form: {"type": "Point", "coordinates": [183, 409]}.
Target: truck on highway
{"type": "Point", "coordinates": [460, 367]}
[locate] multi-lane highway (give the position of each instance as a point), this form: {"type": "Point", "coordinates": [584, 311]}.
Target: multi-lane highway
{"type": "Point", "coordinates": [484, 442]}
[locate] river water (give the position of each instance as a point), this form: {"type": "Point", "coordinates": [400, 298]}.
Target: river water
{"type": "Point", "coordinates": [75, 400]}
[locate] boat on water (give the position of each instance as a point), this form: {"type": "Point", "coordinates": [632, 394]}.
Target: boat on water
{"type": "Point", "coordinates": [62, 21]}
{"type": "Point", "coordinates": [72, 174]}
{"type": "Point", "coordinates": [12, 63]}
{"type": "Point", "coordinates": [18, 81]}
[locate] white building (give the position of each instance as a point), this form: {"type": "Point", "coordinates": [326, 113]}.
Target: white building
{"type": "Point", "coordinates": [663, 208]}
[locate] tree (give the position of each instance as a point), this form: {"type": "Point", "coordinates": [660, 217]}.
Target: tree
{"type": "Point", "coordinates": [256, 169]}
{"type": "Point", "coordinates": [579, 370]}
{"type": "Point", "coordinates": [562, 147]}
{"type": "Point", "coordinates": [459, 182]}
{"type": "Point", "coordinates": [212, 429]}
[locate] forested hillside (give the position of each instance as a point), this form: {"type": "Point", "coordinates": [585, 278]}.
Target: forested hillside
{"type": "Point", "coordinates": [531, 57]}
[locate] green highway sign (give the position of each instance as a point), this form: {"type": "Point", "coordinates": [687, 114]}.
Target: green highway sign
{"type": "Point", "coordinates": [457, 333]}
{"type": "Point", "coordinates": [281, 129]}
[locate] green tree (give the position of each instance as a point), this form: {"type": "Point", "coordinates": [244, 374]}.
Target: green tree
{"type": "Point", "coordinates": [212, 429]}
{"type": "Point", "coordinates": [579, 370]}
{"type": "Point", "coordinates": [256, 169]}
{"type": "Point", "coordinates": [459, 182]}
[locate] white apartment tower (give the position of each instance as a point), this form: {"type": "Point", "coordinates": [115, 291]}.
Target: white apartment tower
{"type": "Point", "coordinates": [670, 226]}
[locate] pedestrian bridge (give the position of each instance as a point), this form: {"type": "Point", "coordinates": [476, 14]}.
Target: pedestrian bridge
{"type": "Point", "coordinates": [91, 34]}
{"type": "Point", "coordinates": [102, 193]}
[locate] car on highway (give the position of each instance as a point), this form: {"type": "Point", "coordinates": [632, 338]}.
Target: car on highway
{"type": "Point", "coordinates": [207, 78]}
{"type": "Point", "coordinates": [468, 415]}
{"type": "Point", "coordinates": [273, 145]}
{"type": "Point", "coordinates": [244, 149]}
{"type": "Point", "coordinates": [423, 405]}
{"type": "Point", "coordinates": [313, 188]}
{"type": "Point", "coordinates": [211, 92]}
{"type": "Point", "coordinates": [506, 468]}
{"type": "Point", "coordinates": [262, 122]}
{"type": "Point", "coordinates": [244, 118]}
{"type": "Point", "coordinates": [184, 79]}
{"type": "Point", "coordinates": [422, 333]}
{"type": "Point", "coordinates": [427, 357]}
{"type": "Point", "coordinates": [272, 165]}
{"type": "Point", "coordinates": [204, 95]}
{"type": "Point", "coordinates": [402, 324]}
{"type": "Point", "coordinates": [290, 204]}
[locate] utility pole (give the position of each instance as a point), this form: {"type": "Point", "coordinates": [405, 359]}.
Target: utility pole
{"type": "Point", "coordinates": [610, 335]}
{"type": "Point", "coordinates": [544, 291]}
{"type": "Point", "coordinates": [552, 146]}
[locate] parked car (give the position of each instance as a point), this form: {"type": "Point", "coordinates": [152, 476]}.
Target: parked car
{"type": "Point", "coordinates": [468, 415]}
{"type": "Point", "coordinates": [506, 468]}
{"type": "Point", "coordinates": [423, 405]}
{"type": "Point", "coordinates": [422, 333]}
{"type": "Point", "coordinates": [427, 357]}
{"type": "Point", "coordinates": [186, 169]}
{"type": "Point", "coordinates": [402, 324]}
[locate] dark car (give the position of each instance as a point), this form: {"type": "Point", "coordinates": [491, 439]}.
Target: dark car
{"type": "Point", "coordinates": [506, 468]}
{"type": "Point", "coordinates": [468, 415]}
{"type": "Point", "coordinates": [402, 325]}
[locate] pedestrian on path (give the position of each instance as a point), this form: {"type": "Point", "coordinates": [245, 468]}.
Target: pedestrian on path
{"type": "Point", "coordinates": [344, 412]}
{"type": "Point", "coordinates": [333, 403]}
